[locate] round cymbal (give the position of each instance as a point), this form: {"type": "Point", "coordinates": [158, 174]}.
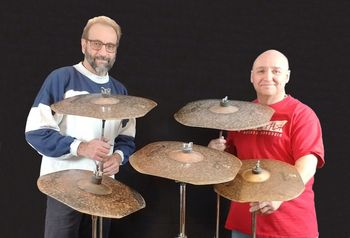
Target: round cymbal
{"type": "Point", "coordinates": [275, 181]}
{"type": "Point", "coordinates": [104, 107]}
{"type": "Point", "coordinates": [230, 115]}
{"type": "Point", "coordinates": [70, 187]}
{"type": "Point", "coordinates": [201, 165]}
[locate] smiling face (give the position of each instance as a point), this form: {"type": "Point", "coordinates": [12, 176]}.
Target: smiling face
{"type": "Point", "coordinates": [269, 76]}
{"type": "Point", "coordinates": [99, 61]}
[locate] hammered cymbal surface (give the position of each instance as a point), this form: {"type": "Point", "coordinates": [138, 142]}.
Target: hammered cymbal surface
{"type": "Point", "coordinates": [115, 107]}
{"type": "Point", "coordinates": [201, 166]}
{"type": "Point", "coordinates": [237, 115]}
{"type": "Point", "coordinates": [63, 186]}
{"type": "Point", "coordinates": [283, 183]}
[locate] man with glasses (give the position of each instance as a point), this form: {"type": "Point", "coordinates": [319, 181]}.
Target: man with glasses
{"type": "Point", "coordinates": [74, 142]}
{"type": "Point", "coordinates": [294, 136]}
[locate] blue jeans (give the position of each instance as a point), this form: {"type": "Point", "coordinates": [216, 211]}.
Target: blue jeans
{"type": "Point", "coordinates": [237, 234]}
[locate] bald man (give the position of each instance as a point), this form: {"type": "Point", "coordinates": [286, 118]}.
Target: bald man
{"type": "Point", "coordinates": [294, 136]}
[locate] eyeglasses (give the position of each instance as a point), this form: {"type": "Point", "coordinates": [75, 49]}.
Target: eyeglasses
{"type": "Point", "coordinates": [97, 45]}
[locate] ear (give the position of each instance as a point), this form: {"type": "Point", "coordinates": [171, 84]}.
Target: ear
{"type": "Point", "coordinates": [288, 76]}
{"type": "Point", "coordinates": [83, 45]}
{"type": "Point", "coordinates": [251, 76]}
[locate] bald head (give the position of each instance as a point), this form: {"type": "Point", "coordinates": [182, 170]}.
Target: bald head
{"type": "Point", "coordinates": [269, 75]}
{"type": "Point", "coordinates": [271, 58]}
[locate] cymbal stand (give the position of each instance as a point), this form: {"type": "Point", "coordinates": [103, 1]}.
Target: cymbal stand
{"type": "Point", "coordinates": [97, 179]}
{"type": "Point", "coordinates": [182, 210]}
{"type": "Point", "coordinates": [186, 148]}
{"type": "Point", "coordinates": [256, 170]}
{"type": "Point", "coordinates": [217, 215]}
{"type": "Point", "coordinates": [94, 227]}
{"type": "Point", "coordinates": [254, 224]}
{"type": "Point", "coordinates": [223, 103]}
{"type": "Point", "coordinates": [218, 201]}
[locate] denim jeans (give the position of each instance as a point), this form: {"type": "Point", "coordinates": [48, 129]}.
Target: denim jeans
{"type": "Point", "coordinates": [237, 234]}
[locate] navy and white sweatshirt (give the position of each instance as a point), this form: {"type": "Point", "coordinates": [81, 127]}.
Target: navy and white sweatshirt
{"type": "Point", "coordinates": [57, 137]}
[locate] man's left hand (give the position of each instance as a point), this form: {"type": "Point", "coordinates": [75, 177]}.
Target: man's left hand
{"type": "Point", "coordinates": [265, 208]}
{"type": "Point", "coordinates": [111, 164]}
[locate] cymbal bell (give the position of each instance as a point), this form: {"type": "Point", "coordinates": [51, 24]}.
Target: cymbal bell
{"type": "Point", "coordinates": [224, 114]}
{"type": "Point", "coordinates": [200, 165]}
{"type": "Point", "coordinates": [90, 187]}
{"type": "Point", "coordinates": [111, 199]}
{"type": "Point", "coordinates": [274, 181]}
{"type": "Point", "coordinates": [104, 107]}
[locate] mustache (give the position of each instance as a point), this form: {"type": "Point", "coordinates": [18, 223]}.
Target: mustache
{"type": "Point", "coordinates": [102, 58]}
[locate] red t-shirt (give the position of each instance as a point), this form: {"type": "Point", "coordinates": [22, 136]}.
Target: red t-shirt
{"type": "Point", "coordinates": [294, 131]}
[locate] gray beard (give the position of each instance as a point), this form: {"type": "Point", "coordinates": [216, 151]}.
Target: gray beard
{"type": "Point", "coordinates": [101, 70]}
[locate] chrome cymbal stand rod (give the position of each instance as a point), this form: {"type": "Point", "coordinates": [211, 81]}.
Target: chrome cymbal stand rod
{"type": "Point", "coordinates": [220, 134]}
{"type": "Point", "coordinates": [100, 164]}
{"type": "Point", "coordinates": [100, 173]}
{"type": "Point", "coordinates": [97, 178]}
{"type": "Point", "coordinates": [217, 215]}
{"type": "Point", "coordinates": [256, 170]}
{"type": "Point", "coordinates": [101, 228]}
{"type": "Point", "coordinates": [103, 128]}
{"type": "Point", "coordinates": [182, 210]}
{"type": "Point", "coordinates": [105, 92]}
{"type": "Point", "coordinates": [254, 224]}
{"type": "Point", "coordinates": [94, 226]}
{"type": "Point", "coordinates": [218, 203]}
{"type": "Point", "coordinates": [95, 220]}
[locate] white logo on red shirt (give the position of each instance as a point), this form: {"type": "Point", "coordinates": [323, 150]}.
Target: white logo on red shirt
{"type": "Point", "coordinates": [273, 128]}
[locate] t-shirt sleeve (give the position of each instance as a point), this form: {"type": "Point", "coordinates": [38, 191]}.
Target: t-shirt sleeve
{"type": "Point", "coordinates": [307, 135]}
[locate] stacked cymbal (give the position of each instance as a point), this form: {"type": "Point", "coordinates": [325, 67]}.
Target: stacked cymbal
{"type": "Point", "coordinates": [199, 165]}
{"type": "Point", "coordinates": [100, 106]}
{"type": "Point", "coordinates": [64, 186]}
{"type": "Point", "coordinates": [263, 180]}
{"type": "Point", "coordinates": [224, 114]}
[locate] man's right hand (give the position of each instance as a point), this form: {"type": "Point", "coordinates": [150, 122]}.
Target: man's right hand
{"type": "Point", "coordinates": [218, 144]}
{"type": "Point", "coordinates": [95, 149]}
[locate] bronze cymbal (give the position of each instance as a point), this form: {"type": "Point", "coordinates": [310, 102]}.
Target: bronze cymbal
{"type": "Point", "coordinates": [201, 165]}
{"type": "Point", "coordinates": [65, 187]}
{"type": "Point", "coordinates": [230, 115]}
{"type": "Point", "coordinates": [104, 107]}
{"type": "Point", "coordinates": [277, 181]}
